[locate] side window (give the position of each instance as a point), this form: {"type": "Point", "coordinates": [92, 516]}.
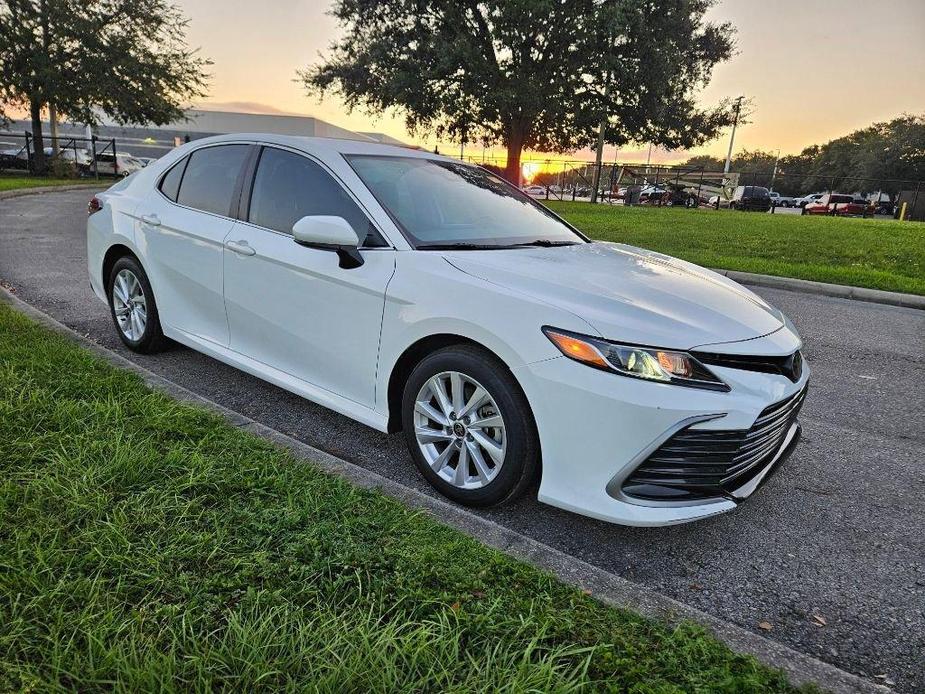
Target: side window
{"type": "Point", "coordinates": [210, 177]}
{"type": "Point", "coordinates": [288, 187]}
{"type": "Point", "coordinates": [170, 184]}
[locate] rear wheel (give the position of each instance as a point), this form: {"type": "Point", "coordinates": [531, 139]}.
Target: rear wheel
{"type": "Point", "coordinates": [133, 309]}
{"type": "Point", "coordinates": [469, 427]}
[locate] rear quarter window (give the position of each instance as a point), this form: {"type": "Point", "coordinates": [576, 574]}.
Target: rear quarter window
{"type": "Point", "coordinates": [170, 183]}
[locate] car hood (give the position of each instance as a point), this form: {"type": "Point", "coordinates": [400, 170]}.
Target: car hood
{"type": "Point", "coordinates": [629, 294]}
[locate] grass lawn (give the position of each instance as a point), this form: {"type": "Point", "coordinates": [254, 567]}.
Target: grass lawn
{"type": "Point", "coordinates": [8, 182]}
{"type": "Point", "coordinates": [876, 253]}
{"type": "Point", "coordinates": [146, 544]}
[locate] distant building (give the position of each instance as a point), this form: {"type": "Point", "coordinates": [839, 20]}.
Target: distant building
{"type": "Point", "coordinates": [201, 123]}
{"type": "Point", "coordinates": [384, 139]}
{"type": "Point", "coordinates": [157, 140]}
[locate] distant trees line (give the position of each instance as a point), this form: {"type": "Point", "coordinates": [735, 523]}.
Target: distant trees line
{"type": "Point", "coordinates": [874, 158]}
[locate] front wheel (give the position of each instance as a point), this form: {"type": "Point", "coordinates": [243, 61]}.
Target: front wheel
{"type": "Point", "coordinates": [469, 427]}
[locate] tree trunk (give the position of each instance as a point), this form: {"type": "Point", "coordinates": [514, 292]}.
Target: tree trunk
{"type": "Point", "coordinates": [38, 142]}
{"type": "Point", "coordinates": [599, 154]}
{"type": "Point", "coordinates": [515, 145]}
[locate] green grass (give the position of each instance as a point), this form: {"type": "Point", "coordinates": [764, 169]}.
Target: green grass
{"type": "Point", "coordinates": [876, 253]}
{"type": "Point", "coordinates": [146, 544]}
{"type": "Point", "coordinates": [16, 182]}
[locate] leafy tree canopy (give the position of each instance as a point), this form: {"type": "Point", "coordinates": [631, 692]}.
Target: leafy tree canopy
{"type": "Point", "coordinates": [885, 156]}
{"type": "Point", "coordinates": [125, 58]}
{"type": "Point", "coordinates": [535, 74]}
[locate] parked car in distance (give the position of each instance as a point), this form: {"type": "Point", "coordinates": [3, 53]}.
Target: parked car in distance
{"type": "Point", "coordinates": [417, 293]}
{"type": "Point", "coordinates": [18, 158]}
{"type": "Point", "coordinates": [881, 203]}
{"type": "Point", "coordinates": [806, 199]}
{"type": "Point", "coordinates": [750, 198]}
{"type": "Point", "coordinates": [779, 200]}
{"type": "Point", "coordinates": [14, 158]}
{"type": "Point", "coordinates": [535, 190]}
{"type": "Point", "coordinates": [838, 204]}
{"type": "Point", "coordinates": [80, 158]}
{"type": "Point", "coordinates": [651, 191]}
{"type": "Point", "coordinates": [123, 164]}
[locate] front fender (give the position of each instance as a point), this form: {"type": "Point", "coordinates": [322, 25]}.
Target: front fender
{"type": "Point", "coordinates": [428, 296]}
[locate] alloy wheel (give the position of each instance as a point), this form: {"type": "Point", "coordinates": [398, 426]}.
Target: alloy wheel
{"type": "Point", "coordinates": [129, 305]}
{"type": "Point", "coordinates": [460, 430]}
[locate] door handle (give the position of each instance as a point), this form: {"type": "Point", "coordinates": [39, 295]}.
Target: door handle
{"type": "Point", "coordinates": [151, 219]}
{"type": "Point", "coordinates": [240, 247]}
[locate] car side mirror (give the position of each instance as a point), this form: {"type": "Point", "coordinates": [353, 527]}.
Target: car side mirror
{"type": "Point", "coordinates": [329, 233]}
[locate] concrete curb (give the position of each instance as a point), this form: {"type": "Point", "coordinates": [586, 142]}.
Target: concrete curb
{"type": "Point", "coordinates": [606, 587]}
{"type": "Point", "coordinates": [842, 291]}
{"type": "Point", "coordinates": [19, 192]}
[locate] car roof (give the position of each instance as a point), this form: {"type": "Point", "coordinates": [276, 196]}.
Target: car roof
{"type": "Point", "coordinates": [330, 145]}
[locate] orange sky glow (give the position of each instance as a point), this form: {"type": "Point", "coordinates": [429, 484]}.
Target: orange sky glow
{"type": "Point", "coordinates": [814, 69]}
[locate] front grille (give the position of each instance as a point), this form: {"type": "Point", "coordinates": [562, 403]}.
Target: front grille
{"type": "Point", "coordinates": [699, 464]}
{"type": "Point", "coordinates": [790, 366]}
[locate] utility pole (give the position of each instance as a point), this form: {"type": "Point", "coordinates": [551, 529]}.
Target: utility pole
{"type": "Point", "coordinates": [732, 136]}
{"type": "Point", "coordinates": [774, 173]}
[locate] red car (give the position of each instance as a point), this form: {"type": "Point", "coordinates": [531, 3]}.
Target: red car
{"type": "Point", "coordinates": [839, 205]}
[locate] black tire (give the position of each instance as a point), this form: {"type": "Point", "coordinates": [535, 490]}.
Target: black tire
{"type": "Point", "coordinates": [152, 340]}
{"type": "Point", "coordinates": [521, 462]}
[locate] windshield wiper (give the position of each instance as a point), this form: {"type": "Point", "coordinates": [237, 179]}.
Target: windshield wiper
{"type": "Point", "coordinates": [464, 246]}
{"type": "Point", "coordinates": [546, 243]}
{"type": "Point", "coordinates": [456, 246]}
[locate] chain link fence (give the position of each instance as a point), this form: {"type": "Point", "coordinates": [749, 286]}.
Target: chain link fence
{"type": "Point", "coordinates": [66, 155]}
{"type": "Point", "coordinates": [695, 187]}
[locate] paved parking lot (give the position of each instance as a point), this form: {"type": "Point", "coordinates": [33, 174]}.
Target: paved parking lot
{"type": "Point", "coordinates": [838, 532]}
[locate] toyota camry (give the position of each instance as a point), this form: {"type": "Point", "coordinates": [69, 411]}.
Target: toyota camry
{"type": "Point", "coordinates": [416, 293]}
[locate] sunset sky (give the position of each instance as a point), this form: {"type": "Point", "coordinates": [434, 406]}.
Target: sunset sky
{"type": "Point", "coordinates": [815, 69]}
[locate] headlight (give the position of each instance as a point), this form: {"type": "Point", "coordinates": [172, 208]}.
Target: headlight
{"type": "Point", "coordinates": [650, 363]}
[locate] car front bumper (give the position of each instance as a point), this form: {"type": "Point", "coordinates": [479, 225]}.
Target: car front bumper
{"type": "Point", "coordinates": [597, 428]}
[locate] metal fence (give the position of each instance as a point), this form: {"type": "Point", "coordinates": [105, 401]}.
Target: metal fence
{"type": "Point", "coordinates": [695, 187]}
{"type": "Point", "coordinates": [86, 156]}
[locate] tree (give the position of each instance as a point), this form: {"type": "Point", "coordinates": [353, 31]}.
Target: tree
{"type": "Point", "coordinates": [125, 58]}
{"type": "Point", "coordinates": [884, 156]}
{"type": "Point", "coordinates": [705, 161]}
{"type": "Point", "coordinates": [529, 74]}
{"type": "Point", "coordinates": [656, 56]}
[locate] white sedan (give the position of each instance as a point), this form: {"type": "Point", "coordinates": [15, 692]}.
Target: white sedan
{"type": "Point", "coordinates": [414, 292]}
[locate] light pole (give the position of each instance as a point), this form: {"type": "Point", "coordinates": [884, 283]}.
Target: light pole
{"type": "Point", "coordinates": [774, 173]}
{"type": "Point", "coordinates": [732, 136]}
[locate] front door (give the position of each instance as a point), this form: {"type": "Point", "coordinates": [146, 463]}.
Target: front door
{"type": "Point", "coordinates": [294, 308]}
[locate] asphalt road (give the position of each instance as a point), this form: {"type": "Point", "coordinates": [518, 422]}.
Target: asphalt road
{"type": "Point", "coordinates": [838, 532]}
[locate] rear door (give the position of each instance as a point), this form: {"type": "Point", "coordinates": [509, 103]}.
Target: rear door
{"type": "Point", "coordinates": [294, 308]}
{"type": "Point", "coordinates": [183, 225]}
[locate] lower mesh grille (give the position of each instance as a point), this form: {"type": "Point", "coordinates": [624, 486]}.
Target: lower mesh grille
{"type": "Point", "coordinates": [699, 464]}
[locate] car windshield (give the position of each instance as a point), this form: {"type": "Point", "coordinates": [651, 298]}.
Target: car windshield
{"type": "Point", "coordinates": [443, 204]}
